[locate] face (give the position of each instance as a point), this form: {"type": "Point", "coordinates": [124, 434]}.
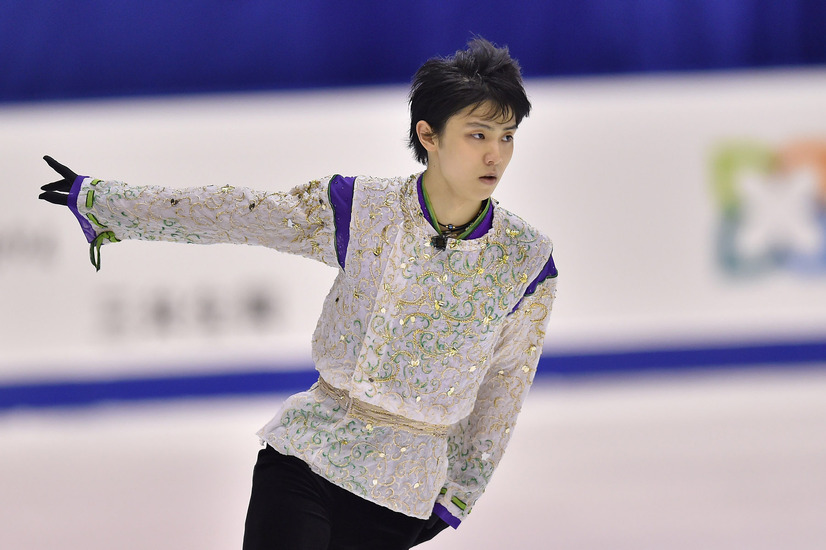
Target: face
{"type": "Point", "coordinates": [468, 158]}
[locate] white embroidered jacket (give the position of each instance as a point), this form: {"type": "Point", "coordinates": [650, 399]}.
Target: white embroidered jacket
{"type": "Point", "coordinates": [425, 335]}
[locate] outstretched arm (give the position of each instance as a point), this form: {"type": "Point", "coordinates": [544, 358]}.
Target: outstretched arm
{"type": "Point", "coordinates": [300, 221]}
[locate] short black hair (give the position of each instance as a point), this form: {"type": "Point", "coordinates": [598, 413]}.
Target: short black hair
{"type": "Point", "coordinates": [444, 86]}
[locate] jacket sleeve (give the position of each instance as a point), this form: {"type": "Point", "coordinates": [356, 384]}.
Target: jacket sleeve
{"type": "Point", "coordinates": [299, 221]}
{"type": "Point", "coordinates": [476, 444]}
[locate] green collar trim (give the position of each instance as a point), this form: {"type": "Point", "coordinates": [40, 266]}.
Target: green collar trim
{"type": "Point", "coordinates": [468, 230]}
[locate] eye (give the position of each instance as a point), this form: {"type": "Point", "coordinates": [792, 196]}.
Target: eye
{"type": "Point", "coordinates": [508, 138]}
{"type": "Point", "coordinates": [478, 136]}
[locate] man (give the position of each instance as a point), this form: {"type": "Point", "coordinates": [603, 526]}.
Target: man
{"type": "Point", "coordinates": [429, 337]}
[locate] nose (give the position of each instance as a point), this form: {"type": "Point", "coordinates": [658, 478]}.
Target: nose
{"type": "Point", "coordinates": [493, 155]}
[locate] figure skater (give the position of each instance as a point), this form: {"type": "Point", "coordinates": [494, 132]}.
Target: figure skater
{"type": "Point", "coordinates": [429, 338]}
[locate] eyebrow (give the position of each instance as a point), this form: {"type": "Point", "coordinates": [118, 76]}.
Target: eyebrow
{"type": "Point", "coordinates": [480, 124]}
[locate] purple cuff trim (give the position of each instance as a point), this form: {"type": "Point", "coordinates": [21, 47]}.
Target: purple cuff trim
{"type": "Point", "coordinates": [446, 516]}
{"type": "Point", "coordinates": [71, 202]}
{"type": "Point", "coordinates": [340, 191]}
{"type": "Point", "coordinates": [480, 231]}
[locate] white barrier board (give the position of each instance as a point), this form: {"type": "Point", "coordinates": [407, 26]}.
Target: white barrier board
{"type": "Point", "coordinates": [689, 210]}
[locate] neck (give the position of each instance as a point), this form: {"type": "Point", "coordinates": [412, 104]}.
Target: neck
{"type": "Point", "coordinates": [446, 207]}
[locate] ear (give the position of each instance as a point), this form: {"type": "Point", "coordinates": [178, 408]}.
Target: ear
{"type": "Point", "coordinates": [426, 136]}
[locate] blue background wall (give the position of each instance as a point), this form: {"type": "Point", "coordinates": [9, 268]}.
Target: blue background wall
{"type": "Point", "coordinates": [55, 50]}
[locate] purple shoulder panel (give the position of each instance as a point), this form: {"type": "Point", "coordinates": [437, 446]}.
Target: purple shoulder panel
{"type": "Point", "coordinates": [548, 272]}
{"type": "Point", "coordinates": [340, 192]}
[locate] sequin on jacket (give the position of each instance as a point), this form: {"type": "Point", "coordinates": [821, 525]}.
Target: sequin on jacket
{"type": "Point", "coordinates": [448, 339]}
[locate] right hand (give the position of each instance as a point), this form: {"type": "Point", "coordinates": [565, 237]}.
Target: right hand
{"type": "Point", "coordinates": [57, 192]}
{"type": "Point", "coordinates": [432, 527]}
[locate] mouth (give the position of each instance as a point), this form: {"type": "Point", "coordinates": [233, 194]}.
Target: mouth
{"type": "Point", "coordinates": [490, 179]}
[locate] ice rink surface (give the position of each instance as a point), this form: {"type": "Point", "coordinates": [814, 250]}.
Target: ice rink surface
{"type": "Point", "coordinates": [701, 460]}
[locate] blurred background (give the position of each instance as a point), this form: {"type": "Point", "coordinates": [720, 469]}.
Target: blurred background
{"type": "Point", "coordinates": [676, 155]}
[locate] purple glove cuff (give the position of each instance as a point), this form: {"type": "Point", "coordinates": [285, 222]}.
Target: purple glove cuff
{"type": "Point", "coordinates": [85, 225]}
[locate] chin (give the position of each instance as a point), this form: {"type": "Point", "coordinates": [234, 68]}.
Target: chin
{"type": "Point", "coordinates": [487, 193]}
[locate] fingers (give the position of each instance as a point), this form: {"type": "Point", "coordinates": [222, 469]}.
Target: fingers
{"type": "Point", "coordinates": [55, 198]}
{"type": "Point", "coordinates": [60, 169]}
{"type": "Point", "coordinates": [57, 191]}
{"type": "Point", "coordinates": [62, 185]}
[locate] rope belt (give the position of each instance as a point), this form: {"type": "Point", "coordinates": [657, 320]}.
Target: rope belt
{"type": "Point", "coordinates": [372, 415]}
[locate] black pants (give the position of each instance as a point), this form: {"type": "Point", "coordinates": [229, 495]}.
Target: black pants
{"type": "Point", "coordinates": [292, 508]}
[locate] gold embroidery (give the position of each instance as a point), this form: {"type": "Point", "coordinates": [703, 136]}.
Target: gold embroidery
{"type": "Point", "coordinates": [456, 320]}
